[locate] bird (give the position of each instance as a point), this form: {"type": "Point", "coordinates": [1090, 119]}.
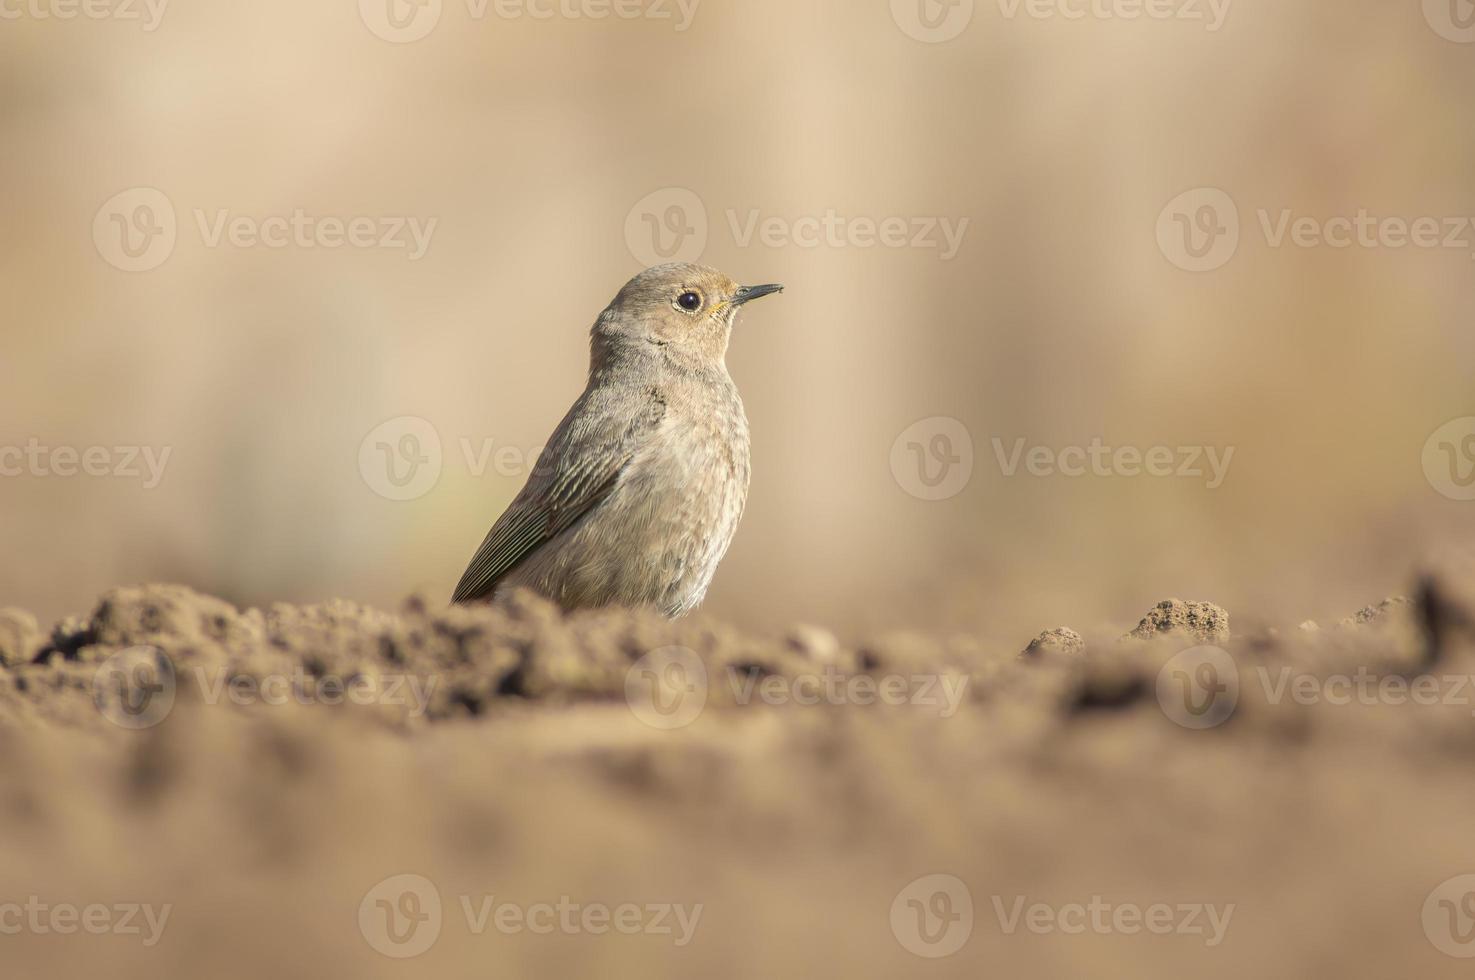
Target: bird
{"type": "Point", "coordinates": [639, 491]}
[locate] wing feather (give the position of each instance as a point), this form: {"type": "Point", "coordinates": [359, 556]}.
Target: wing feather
{"type": "Point", "coordinates": [576, 472]}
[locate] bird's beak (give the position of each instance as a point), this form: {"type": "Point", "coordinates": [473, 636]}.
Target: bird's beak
{"type": "Point", "coordinates": [749, 293]}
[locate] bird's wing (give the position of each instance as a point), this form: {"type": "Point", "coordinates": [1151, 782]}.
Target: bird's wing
{"type": "Point", "coordinates": [579, 468]}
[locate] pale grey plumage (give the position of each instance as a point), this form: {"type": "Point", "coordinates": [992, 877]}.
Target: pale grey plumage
{"type": "Point", "coordinates": [637, 495]}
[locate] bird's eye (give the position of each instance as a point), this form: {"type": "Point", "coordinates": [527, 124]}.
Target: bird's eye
{"type": "Point", "coordinates": [689, 301]}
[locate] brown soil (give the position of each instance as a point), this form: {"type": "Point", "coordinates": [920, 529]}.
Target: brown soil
{"type": "Point", "coordinates": [507, 753]}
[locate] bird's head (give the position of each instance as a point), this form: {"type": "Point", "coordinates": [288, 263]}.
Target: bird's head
{"type": "Point", "coordinates": [682, 310]}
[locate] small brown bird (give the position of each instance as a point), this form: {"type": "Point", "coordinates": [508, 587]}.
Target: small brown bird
{"type": "Point", "coordinates": [639, 491]}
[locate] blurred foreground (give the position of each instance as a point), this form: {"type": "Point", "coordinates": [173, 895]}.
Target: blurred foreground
{"type": "Point", "coordinates": [190, 790]}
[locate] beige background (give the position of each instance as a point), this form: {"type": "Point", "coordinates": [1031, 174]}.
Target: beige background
{"type": "Point", "coordinates": [530, 141]}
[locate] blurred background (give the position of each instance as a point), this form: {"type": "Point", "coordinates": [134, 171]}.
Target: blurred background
{"type": "Point", "coordinates": [330, 268]}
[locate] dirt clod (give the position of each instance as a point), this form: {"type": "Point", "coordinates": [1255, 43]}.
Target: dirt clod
{"type": "Point", "coordinates": [1201, 622]}
{"type": "Point", "coordinates": [1062, 640]}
